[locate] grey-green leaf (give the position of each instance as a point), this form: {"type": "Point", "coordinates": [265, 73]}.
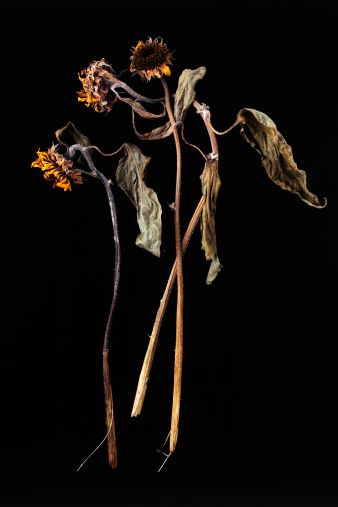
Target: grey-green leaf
{"type": "Point", "coordinates": [211, 183]}
{"type": "Point", "coordinates": [185, 93]}
{"type": "Point", "coordinates": [130, 177]}
{"type": "Point", "coordinates": [277, 159]}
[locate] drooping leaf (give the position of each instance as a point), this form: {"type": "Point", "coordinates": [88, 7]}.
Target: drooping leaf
{"type": "Point", "coordinates": [211, 183]}
{"type": "Point", "coordinates": [72, 134]}
{"type": "Point", "coordinates": [130, 177]}
{"type": "Point", "coordinates": [184, 97]}
{"type": "Point", "coordinates": [277, 159]}
{"type": "Point", "coordinates": [185, 93]}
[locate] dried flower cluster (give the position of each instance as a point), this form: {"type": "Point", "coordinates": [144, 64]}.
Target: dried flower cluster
{"type": "Point", "coordinates": [101, 90]}
{"type": "Point", "coordinates": [151, 59]}
{"type": "Point", "coordinates": [97, 81]}
{"type": "Point", "coordinates": [57, 169]}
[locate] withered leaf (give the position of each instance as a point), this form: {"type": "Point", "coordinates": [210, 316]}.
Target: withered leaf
{"type": "Point", "coordinates": [185, 93]}
{"type": "Point", "coordinates": [184, 97]}
{"type": "Point", "coordinates": [130, 177]}
{"type": "Point", "coordinates": [72, 134]}
{"type": "Point", "coordinates": [211, 183]}
{"type": "Point", "coordinates": [156, 133]}
{"type": "Point", "coordinates": [277, 159]}
{"type": "Point", "coordinates": [141, 110]}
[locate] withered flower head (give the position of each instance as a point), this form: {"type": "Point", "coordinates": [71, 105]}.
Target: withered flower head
{"type": "Point", "coordinates": [96, 81]}
{"type": "Point", "coordinates": [57, 169]}
{"type": "Point", "coordinates": [151, 59]}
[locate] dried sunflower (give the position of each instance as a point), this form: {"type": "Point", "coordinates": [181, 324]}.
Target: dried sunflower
{"type": "Point", "coordinates": [151, 59]}
{"type": "Point", "coordinates": [57, 169]}
{"type": "Point", "coordinates": [96, 81]}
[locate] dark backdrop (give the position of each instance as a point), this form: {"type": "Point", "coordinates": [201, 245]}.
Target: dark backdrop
{"type": "Point", "coordinates": [259, 400]}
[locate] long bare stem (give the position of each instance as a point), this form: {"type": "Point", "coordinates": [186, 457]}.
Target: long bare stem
{"type": "Point", "coordinates": [110, 422]}
{"type": "Point", "coordinates": [175, 412]}
{"type": "Point", "coordinates": [112, 447]}
{"type": "Point", "coordinates": [149, 357]}
{"type": "Point", "coordinates": [150, 353]}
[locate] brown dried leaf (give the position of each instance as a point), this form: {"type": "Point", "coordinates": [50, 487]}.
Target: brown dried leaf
{"type": "Point", "coordinates": [141, 110]}
{"type": "Point", "coordinates": [71, 133]}
{"type": "Point", "coordinates": [155, 134]}
{"type": "Point", "coordinates": [185, 93]}
{"type": "Point", "coordinates": [211, 183]}
{"type": "Point", "coordinates": [130, 177]}
{"type": "Point", "coordinates": [277, 159]}
{"type": "Point", "coordinates": [73, 136]}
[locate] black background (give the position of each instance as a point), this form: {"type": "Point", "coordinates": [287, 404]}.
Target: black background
{"type": "Point", "coordinates": [260, 391]}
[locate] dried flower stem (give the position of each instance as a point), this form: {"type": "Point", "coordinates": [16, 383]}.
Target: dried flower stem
{"type": "Point", "coordinates": [175, 413]}
{"type": "Point", "coordinates": [149, 357]}
{"type": "Point", "coordinates": [117, 84]}
{"type": "Point", "coordinates": [111, 434]}
{"type": "Point", "coordinates": [112, 447]}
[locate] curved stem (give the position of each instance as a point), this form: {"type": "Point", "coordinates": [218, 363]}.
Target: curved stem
{"type": "Point", "coordinates": [175, 413]}
{"type": "Point", "coordinates": [116, 84]}
{"type": "Point", "coordinates": [110, 422]}
{"type": "Point", "coordinates": [203, 110]}
{"type": "Point", "coordinates": [108, 395]}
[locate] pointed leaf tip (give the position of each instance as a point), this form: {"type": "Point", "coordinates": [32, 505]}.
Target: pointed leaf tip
{"type": "Point", "coordinates": [211, 183]}
{"type": "Point", "coordinates": [277, 158]}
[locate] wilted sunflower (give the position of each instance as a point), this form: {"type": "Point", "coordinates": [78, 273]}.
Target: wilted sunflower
{"type": "Point", "coordinates": [96, 81]}
{"type": "Point", "coordinates": [57, 169]}
{"type": "Point", "coordinates": [151, 59]}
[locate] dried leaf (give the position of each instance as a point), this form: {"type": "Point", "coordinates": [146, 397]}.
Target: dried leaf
{"type": "Point", "coordinates": [73, 136]}
{"type": "Point", "coordinates": [211, 183]}
{"type": "Point", "coordinates": [277, 159]}
{"type": "Point", "coordinates": [185, 93]}
{"type": "Point", "coordinates": [141, 110]}
{"type": "Point", "coordinates": [157, 133]}
{"type": "Point", "coordinates": [130, 177]}
{"type": "Point", "coordinates": [214, 269]}
{"type": "Point", "coordinates": [69, 131]}
{"type": "Point", "coordinates": [184, 97]}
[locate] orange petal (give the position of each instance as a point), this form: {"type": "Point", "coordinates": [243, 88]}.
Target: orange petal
{"type": "Point", "coordinates": [139, 45]}
{"type": "Point", "coordinates": [166, 71]}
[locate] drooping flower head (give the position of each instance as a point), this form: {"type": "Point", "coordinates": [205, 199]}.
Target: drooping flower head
{"type": "Point", "coordinates": [96, 81]}
{"type": "Point", "coordinates": [57, 169]}
{"type": "Point", "coordinates": [151, 59]}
